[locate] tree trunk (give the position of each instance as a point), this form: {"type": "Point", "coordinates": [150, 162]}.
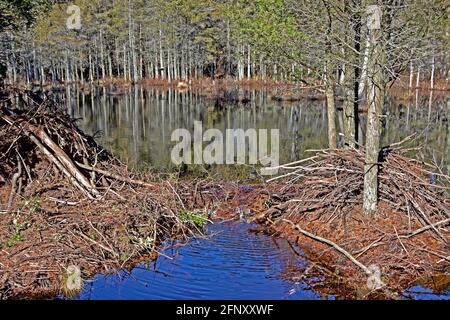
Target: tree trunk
{"type": "Point", "coordinates": [331, 113]}
{"type": "Point", "coordinates": [249, 68]}
{"type": "Point", "coordinates": [430, 101]}
{"type": "Point", "coordinates": [375, 98]}
{"type": "Point", "coordinates": [348, 109]}
{"type": "Point", "coordinates": [329, 88]}
{"type": "Point", "coordinates": [411, 75]}
{"type": "Point", "coordinates": [363, 81]}
{"type": "Point", "coordinates": [161, 61]}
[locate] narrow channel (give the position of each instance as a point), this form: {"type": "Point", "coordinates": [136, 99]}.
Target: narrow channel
{"type": "Point", "coordinates": [231, 262]}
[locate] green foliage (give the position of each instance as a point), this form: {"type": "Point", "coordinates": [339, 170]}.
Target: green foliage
{"type": "Point", "coordinates": [268, 25]}
{"type": "Point", "coordinates": [278, 39]}
{"type": "Point", "coordinates": [197, 218]}
{"type": "Point", "coordinates": [16, 229]}
{"type": "Point", "coordinates": [17, 13]}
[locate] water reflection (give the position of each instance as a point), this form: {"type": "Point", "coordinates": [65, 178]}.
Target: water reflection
{"type": "Point", "coordinates": [137, 124]}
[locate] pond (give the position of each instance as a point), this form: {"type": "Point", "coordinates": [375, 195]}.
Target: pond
{"type": "Point", "coordinates": [231, 262]}
{"type": "Point", "coordinates": [137, 125]}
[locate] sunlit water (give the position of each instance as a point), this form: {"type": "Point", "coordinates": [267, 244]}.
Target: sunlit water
{"type": "Point", "coordinates": [231, 263]}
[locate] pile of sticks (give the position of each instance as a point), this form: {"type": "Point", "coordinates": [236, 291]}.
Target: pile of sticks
{"type": "Point", "coordinates": [65, 201]}
{"type": "Point", "coordinates": [320, 199]}
{"type": "Point", "coordinates": [44, 132]}
{"type": "Point", "coordinates": [330, 184]}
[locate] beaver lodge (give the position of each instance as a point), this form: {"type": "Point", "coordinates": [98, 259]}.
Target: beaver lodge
{"type": "Point", "coordinates": [66, 201]}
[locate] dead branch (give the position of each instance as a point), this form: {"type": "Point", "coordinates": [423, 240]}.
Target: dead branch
{"type": "Point", "coordinates": [330, 243]}
{"type": "Point", "coordinates": [14, 182]}
{"type": "Point", "coordinates": [116, 176]}
{"type": "Point", "coordinates": [423, 229]}
{"type": "Point", "coordinates": [64, 159]}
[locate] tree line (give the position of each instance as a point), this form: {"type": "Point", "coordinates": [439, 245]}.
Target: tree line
{"type": "Point", "coordinates": [281, 40]}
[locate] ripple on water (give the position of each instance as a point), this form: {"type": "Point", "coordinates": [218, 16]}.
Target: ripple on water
{"type": "Point", "coordinates": [231, 264]}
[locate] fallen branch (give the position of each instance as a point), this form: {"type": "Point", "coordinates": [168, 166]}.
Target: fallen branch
{"type": "Point", "coordinates": [115, 176]}
{"type": "Point", "coordinates": [331, 244]}
{"type": "Point", "coordinates": [423, 229]}
{"type": "Point", "coordinates": [58, 164]}
{"type": "Point", "coordinates": [64, 158]}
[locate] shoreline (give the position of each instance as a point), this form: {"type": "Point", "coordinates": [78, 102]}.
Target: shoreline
{"type": "Point", "coordinates": [234, 90]}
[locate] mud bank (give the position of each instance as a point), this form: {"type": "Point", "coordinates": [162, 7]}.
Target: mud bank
{"type": "Point", "coordinates": [227, 91]}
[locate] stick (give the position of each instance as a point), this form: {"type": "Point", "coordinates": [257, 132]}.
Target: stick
{"type": "Point", "coordinates": [288, 165]}
{"type": "Point", "coordinates": [115, 176]}
{"type": "Point", "coordinates": [418, 231]}
{"type": "Point", "coordinates": [373, 244]}
{"type": "Point", "coordinates": [331, 244]}
{"type": "Point", "coordinates": [64, 158]}
{"type": "Point", "coordinates": [16, 177]}
{"type": "Point", "coordinates": [53, 159]}
{"type": "Point", "coordinates": [98, 244]}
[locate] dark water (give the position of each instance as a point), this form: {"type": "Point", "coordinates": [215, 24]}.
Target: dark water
{"type": "Point", "coordinates": [138, 124]}
{"type": "Point", "coordinates": [421, 293]}
{"type": "Point", "coordinates": [231, 263]}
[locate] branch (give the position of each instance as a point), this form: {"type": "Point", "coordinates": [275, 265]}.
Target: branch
{"type": "Point", "coordinates": [115, 176]}
{"type": "Point", "coordinates": [331, 244]}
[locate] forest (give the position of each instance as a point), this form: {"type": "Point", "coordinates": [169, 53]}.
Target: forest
{"type": "Point", "coordinates": [279, 40]}
{"type": "Point", "coordinates": [92, 91]}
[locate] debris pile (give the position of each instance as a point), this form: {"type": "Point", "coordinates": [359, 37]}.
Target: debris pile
{"type": "Point", "coordinates": [66, 203]}
{"type": "Point", "coordinates": [318, 204]}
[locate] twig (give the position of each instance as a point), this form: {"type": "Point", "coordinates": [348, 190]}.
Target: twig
{"type": "Point", "coordinates": [373, 244]}
{"type": "Point", "coordinates": [97, 243]}
{"type": "Point", "coordinates": [398, 237]}
{"type": "Point", "coordinates": [15, 178]}
{"type": "Point", "coordinates": [58, 164]}
{"type": "Point", "coordinates": [423, 229]}
{"type": "Point", "coordinates": [332, 244]}
{"type": "Point", "coordinates": [115, 176]}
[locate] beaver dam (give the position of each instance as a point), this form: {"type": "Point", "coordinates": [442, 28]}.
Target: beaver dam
{"type": "Point", "coordinates": [66, 201]}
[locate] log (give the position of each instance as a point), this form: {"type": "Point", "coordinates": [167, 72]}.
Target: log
{"type": "Point", "coordinates": [115, 176]}
{"type": "Point", "coordinates": [58, 157]}
{"type": "Point", "coordinates": [58, 164]}
{"type": "Point", "coordinates": [64, 158]}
